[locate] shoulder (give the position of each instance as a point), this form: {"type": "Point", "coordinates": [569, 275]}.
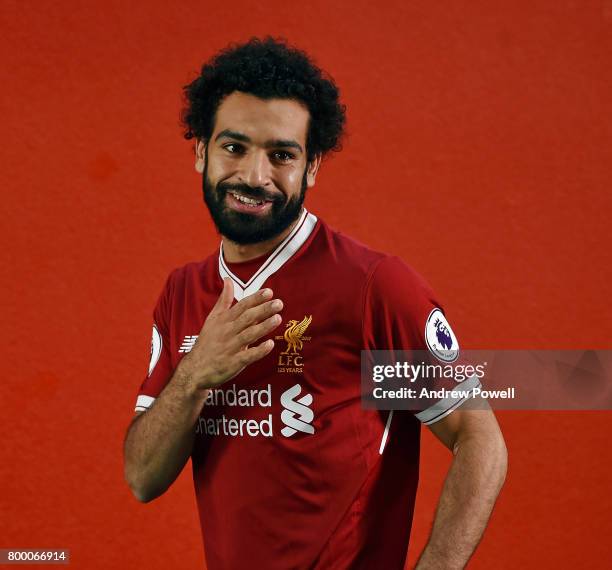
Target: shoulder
{"type": "Point", "coordinates": [395, 287]}
{"type": "Point", "coordinates": [393, 275]}
{"type": "Point", "coordinates": [397, 291]}
{"type": "Point", "coordinates": [192, 274]}
{"type": "Point", "coordinates": [347, 251]}
{"type": "Point", "coordinates": [384, 278]}
{"type": "Point", "coordinates": [384, 271]}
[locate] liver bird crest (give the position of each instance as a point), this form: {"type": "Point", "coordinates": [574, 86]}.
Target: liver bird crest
{"type": "Point", "coordinates": [295, 333]}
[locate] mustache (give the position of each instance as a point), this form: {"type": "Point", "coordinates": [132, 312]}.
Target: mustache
{"type": "Point", "coordinates": [256, 193]}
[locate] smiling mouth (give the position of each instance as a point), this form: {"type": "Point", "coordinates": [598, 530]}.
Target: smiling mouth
{"type": "Point", "coordinates": [245, 199]}
{"type": "Point", "coordinates": [238, 202]}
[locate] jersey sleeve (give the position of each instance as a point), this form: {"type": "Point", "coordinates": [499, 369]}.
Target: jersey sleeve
{"type": "Point", "coordinates": [160, 364]}
{"type": "Point", "coordinates": [402, 313]}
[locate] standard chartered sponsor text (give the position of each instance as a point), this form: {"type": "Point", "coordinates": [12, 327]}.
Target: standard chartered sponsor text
{"type": "Point", "coordinates": [232, 397]}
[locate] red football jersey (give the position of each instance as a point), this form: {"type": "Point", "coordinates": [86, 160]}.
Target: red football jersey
{"type": "Point", "coordinates": [289, 469]}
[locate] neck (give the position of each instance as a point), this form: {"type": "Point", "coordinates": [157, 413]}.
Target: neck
{"type": "Point", "coordinates": [235, 252]}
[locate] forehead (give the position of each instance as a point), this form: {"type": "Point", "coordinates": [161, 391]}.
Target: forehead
{"type": "Point", "coordinates": [262, 119]}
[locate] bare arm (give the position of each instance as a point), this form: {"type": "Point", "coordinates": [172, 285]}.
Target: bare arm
{"type": "Point", "coordinates": [471, 487]}
{"type": "Point", "coordinates": [159, 441]}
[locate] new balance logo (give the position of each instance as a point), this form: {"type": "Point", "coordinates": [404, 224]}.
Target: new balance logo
{"type": "Point", "coordinates": [188, 343]}
{"type": "Point", "coordinates": [295, 408]}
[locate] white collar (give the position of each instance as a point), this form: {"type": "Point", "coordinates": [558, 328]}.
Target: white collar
{"type": "Point", "coordinates": [283, 253]}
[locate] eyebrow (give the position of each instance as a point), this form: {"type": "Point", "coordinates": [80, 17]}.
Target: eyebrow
{"type": "Point", "coordinates": [286, 143]}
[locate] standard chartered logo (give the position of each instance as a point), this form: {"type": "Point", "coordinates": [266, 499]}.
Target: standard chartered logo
{"type": "Point", "coordinates": [297, 414]}
{"type": "Point", "coordinates": [295, 408]}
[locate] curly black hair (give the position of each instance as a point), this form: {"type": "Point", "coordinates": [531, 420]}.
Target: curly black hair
{"type": "Point", "coordinates": [267, 68]}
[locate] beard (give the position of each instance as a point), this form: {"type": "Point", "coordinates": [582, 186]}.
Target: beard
{"type": "Point", "coordinates": [244, 228]}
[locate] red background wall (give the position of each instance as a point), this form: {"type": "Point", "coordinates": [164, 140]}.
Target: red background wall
{"type": "Point", "coordinates": [478, 149]}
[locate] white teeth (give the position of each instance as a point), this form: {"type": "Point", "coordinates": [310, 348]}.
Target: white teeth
{"type": "Point", "coordinates": [246, 200]}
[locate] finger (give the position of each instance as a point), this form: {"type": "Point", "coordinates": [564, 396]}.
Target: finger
{"type": "Point", "coordinates": [250, 355]}
{"type": "Point", "coordinates": [257, 314]}
{"type": "Point", "coordinates": [255, 332]}
{"type": "Point", "coordinates": [250, 301]}
{"type": "Point", "coordinates": [225, 298]}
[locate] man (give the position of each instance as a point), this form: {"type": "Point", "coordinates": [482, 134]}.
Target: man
{"type": "Point", "coordinates": [290, 470]}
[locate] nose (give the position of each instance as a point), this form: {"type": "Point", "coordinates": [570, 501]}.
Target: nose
{"type": "Point", "coordinates": [255, 169]}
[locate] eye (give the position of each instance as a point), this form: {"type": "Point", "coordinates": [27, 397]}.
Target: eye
{"type": "Point", "coordinates": [234, 148]}
{"type": "Point", "coordinates": [283, 156]}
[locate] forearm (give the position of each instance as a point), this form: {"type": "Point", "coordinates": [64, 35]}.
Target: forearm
{"type": "Point", "coordinates": [470, 490]}
{"type": "Point", "coordinates": [160, 440]}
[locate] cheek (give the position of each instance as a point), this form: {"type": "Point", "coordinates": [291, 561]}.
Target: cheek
{"type": "Point", "coordinates": [218, 171]}
{"type": "Point", "coordinates": [291, 179]}
{"type": "Point", "coordinates": [215, 169]}
{"type": "Point", "coordinates": [219, 164]}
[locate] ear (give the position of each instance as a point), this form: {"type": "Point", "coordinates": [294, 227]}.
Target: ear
{"type": "Point", "coordinates": [200, 149]}
{"type": "Point", "coordinates": [312, 169]}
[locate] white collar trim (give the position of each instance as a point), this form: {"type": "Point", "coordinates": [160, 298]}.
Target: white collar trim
{"type": "Point", "coordinates": [283, 253]}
